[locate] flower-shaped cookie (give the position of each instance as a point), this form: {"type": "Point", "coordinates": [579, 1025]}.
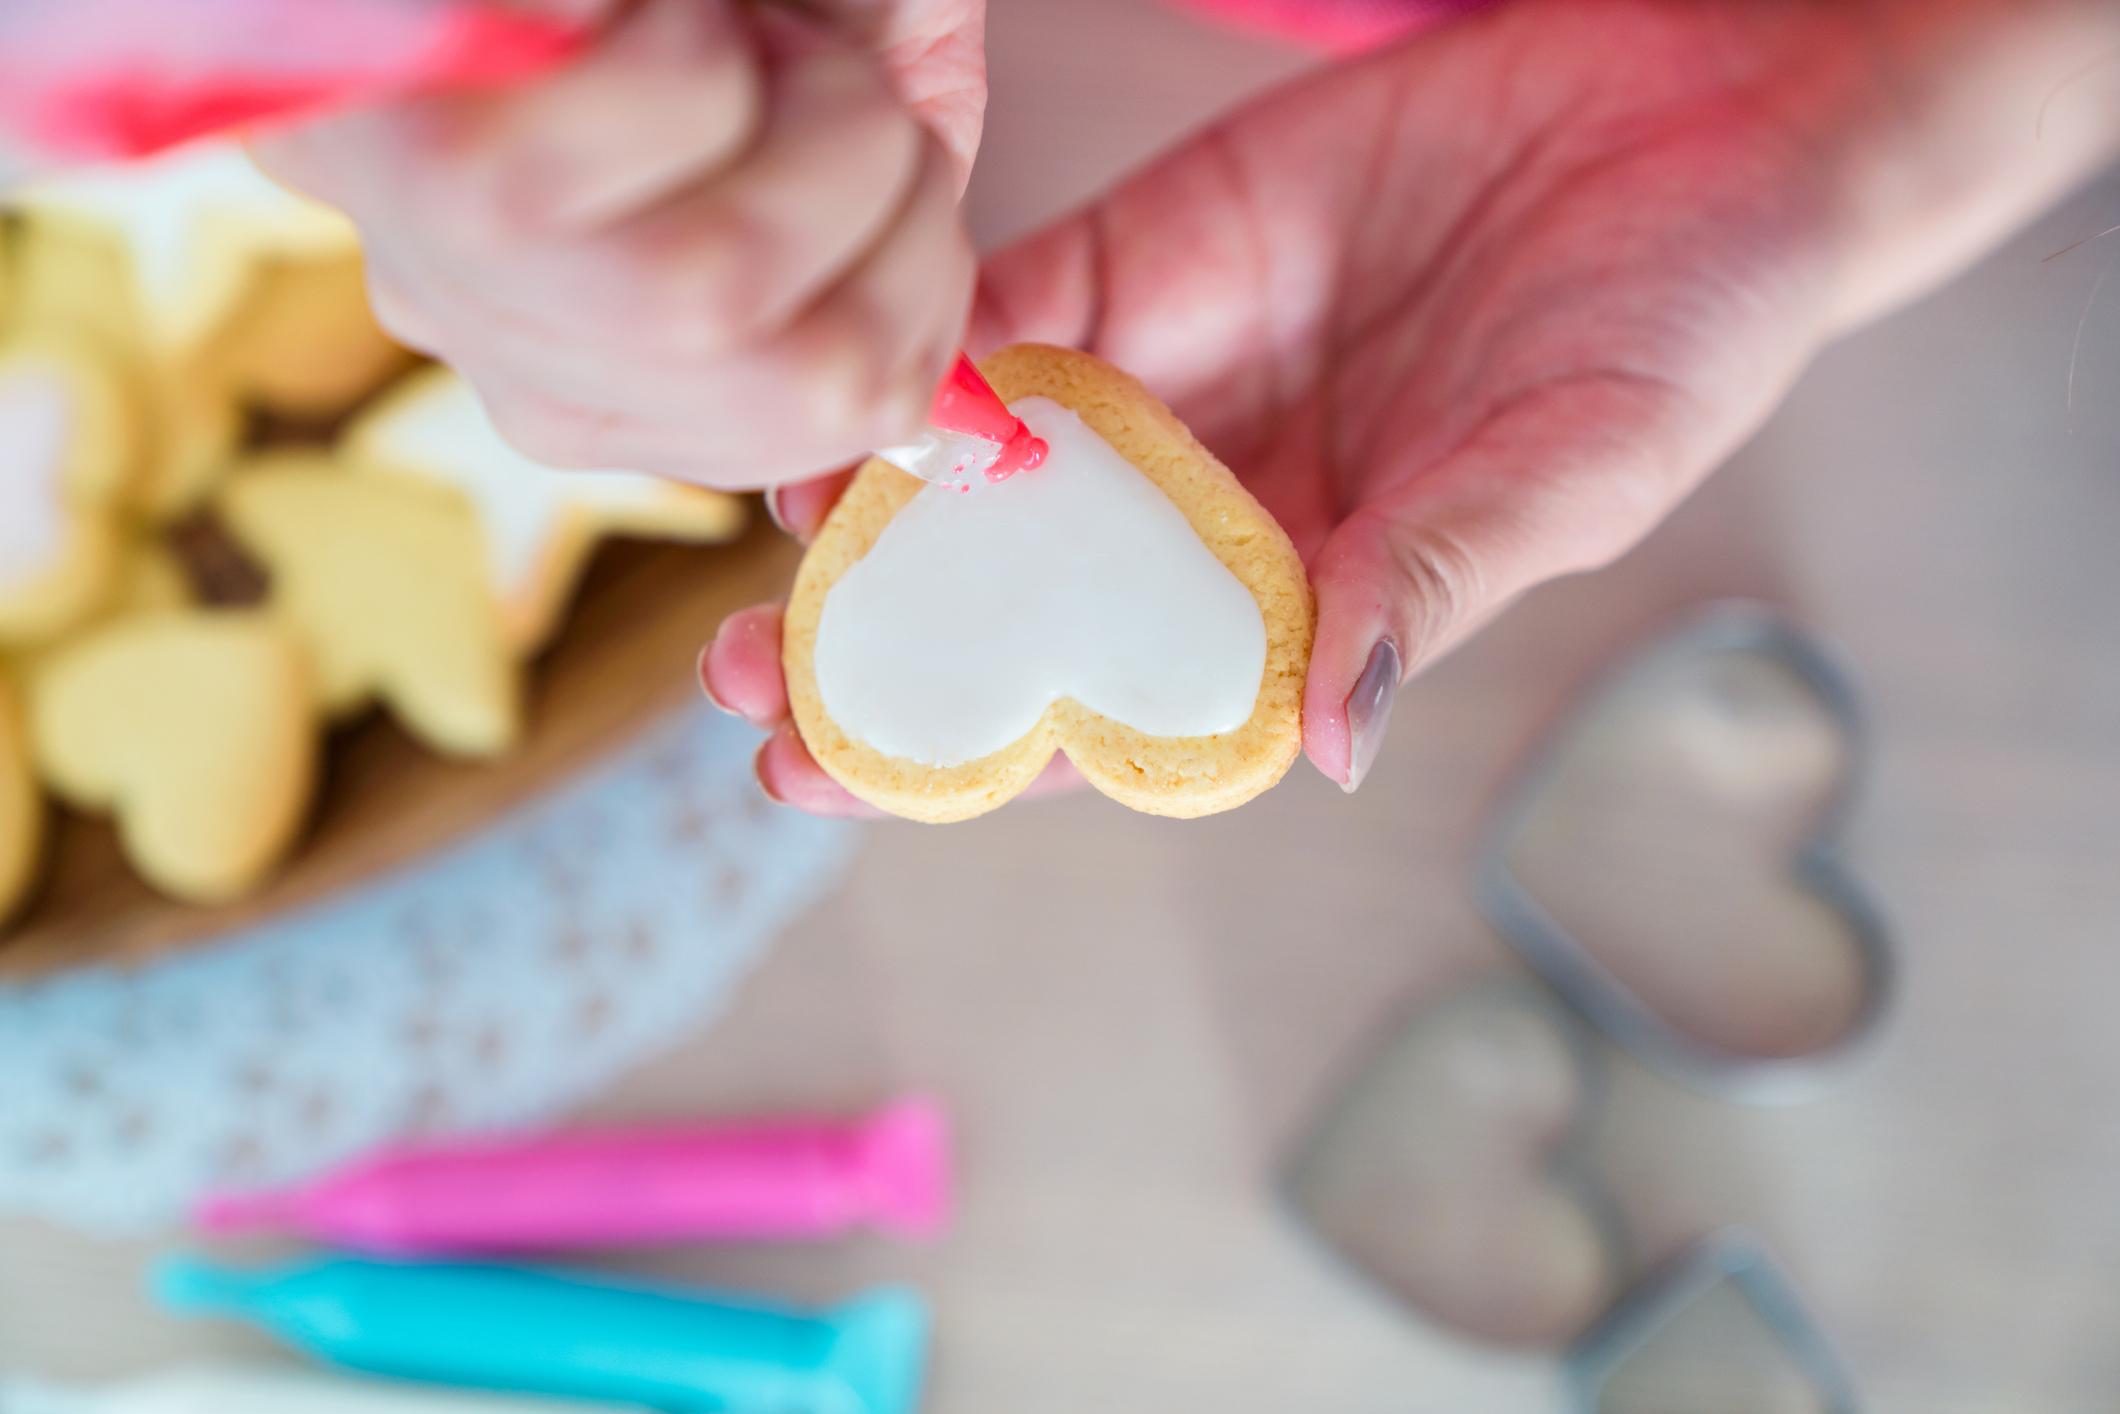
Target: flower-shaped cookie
{"type": "Point", "coordinates": [67, 460]}
{"type": "Point", "coordinates": [381, 578]}
{"type": "Point", "coordinates": [537, 524]}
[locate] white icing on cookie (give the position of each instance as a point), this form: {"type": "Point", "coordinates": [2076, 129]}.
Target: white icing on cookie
{"type": "Point", "coordinates": [36, 426]}
{"type": "Point", "coordinates": [193, 220]}
{"type": "Point", "coordinates": [522, 505]}
{"type": "Point", "coordinates": [974, 612]}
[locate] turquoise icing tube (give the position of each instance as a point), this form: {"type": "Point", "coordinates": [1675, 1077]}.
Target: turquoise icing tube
{"type": "Point", "coordinates": [598, 1338]}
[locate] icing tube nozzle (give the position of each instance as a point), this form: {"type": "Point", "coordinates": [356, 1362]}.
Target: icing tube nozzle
{"type": "Point", "coordinates": [580, 1336]}
{"type": "Point", "coordinates": [905, 1150]}
{"type": "Point", "coordinates": [778, 1179]}
{"type": "Point", "coordinates": [971, 434]}
{"type": "Point", "coordinates": [879, 1349]}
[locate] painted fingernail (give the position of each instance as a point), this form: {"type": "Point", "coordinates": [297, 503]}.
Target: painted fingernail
{"type": "Point", "coordinates": [758, 773]}
{"type": "Point", "coordinates": [706, 684]}
{"type": "Point", "coordinates": [776, 514]}
{"type": "Point", "coordinates": [1369, 710]}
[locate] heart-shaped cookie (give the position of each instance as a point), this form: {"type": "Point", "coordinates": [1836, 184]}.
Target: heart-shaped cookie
{"type": "Point", "coordinates": [67, 445]}
{"type": "Point", "coordinates": [538, 524]}
{"type": "Point", "coordinates": [21, 804]}
{"type": "Point", "coordinates": [1644, 864]}
{"type": "Point", "coordinates": [1126, 602]}
{"type": "Point", "coordinates": [1445, 1170]}
{"type": "Point", "coordinates": [380, 578]}
{"type": "Point", "coordinates": [196, 729]}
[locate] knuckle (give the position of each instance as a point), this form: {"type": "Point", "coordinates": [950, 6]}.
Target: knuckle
{"type": "Point", "coordinates": [549, 432]}
{"type": "Point", "coordinates": [1441, 581]}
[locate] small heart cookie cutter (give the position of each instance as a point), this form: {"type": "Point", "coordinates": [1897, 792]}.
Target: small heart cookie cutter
{"type": "Point", "coordinates": [1734, 1255]}
{"type": "Point", "coordinates": [1587, 984]}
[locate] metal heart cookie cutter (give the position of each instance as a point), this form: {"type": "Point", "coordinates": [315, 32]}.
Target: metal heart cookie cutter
{"type": "Point", "coordinates": [1749, 693]}
{"type": "Point", "coordinates": [1593, 1364]}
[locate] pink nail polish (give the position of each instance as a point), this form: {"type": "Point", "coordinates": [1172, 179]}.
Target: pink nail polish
{"type": "Point", "coordinates": [758, 774]}
{"type": "Point", "coordinates": [1369, 710]}
{"type": "Point", "coordinates": [774, 513]}
{"type": "Point", "coordinates": [706, 684]}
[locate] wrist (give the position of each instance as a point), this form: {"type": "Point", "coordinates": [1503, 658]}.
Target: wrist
{"type": "Point", "coordinates": [1945, 125]}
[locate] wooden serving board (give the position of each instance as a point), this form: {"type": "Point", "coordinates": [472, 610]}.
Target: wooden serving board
{"type": "Point", "coordinates": [626, 656]}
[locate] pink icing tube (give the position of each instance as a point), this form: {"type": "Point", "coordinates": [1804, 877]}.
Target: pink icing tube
{"type": "Point", "coordinates": [101, 79]}
{"type": "Point", "coordinates": [970, 434]}
{"type": "Point", "coordinates": [612, 1188]}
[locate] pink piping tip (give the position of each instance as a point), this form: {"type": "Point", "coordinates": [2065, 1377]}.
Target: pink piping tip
{"type": "Point", "coordinates": [967, 405]}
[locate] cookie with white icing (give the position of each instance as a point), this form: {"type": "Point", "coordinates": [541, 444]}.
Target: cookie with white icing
{"type": "Point", "coordinates": [381, 579]}
{"type": "Point", "coordinates": [195, 729]}
{"type": "Point", "coordinates": [21, 805]}
{"type": "Point", "coordinates": [1127, 602]}
{"type": "Point", "coordinates": [221, 283]}
{"type": "Point", "coordinates": [537, 524]}
{"type": "Point", "coordinates": [194, 224]}
{"type": "Point", "coordinates": [67, 463]}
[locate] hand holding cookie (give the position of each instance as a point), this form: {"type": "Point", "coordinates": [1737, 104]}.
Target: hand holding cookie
{"type": "Point", "coordinates": [1443, 390]}
{"type": "Point", "coordinates": [724, 246]}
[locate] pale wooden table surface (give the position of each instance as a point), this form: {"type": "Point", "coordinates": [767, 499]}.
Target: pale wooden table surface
{"type": "Point", "coordinates": [1133, 1017]}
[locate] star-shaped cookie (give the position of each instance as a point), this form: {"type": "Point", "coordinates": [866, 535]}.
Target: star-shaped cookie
{"type": "Point", "coordinates": [537, 525]}
{"type": "Point", "coordinates": [380, 578]}
{"type": "Point", "coordinates": [195, 225]}
{"type": "Point", "coordinates": [220, 285]}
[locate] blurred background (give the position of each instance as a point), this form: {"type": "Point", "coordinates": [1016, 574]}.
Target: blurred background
{"type": "Point", "coordinates": [1142, 1026]}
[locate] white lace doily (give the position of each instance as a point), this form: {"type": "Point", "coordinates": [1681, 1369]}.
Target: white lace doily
{"type": "Point", "coordinates": [489, 985]}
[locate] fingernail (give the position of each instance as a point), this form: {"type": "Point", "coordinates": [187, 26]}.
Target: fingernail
{"type": "Point", "coordinates": [758, 774]}
{"type": "Point", "coordinates": [706, 684]}
{"type": "Point", "coordinates": [775, 514]}
{"type": "Point", "coordinates": [1369, 710]}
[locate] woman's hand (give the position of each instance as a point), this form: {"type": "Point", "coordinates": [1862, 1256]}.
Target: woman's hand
{"type": "Point", "coordinates": [1479, 311]}
{"type": "Point", "coordinates": [723, 245]}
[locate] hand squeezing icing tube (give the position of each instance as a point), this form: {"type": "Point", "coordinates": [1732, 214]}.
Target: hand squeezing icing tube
{"type": "Point", "coordinates": [539, 1332]}
{"type": "Point", "coordinates": [777, 1180]}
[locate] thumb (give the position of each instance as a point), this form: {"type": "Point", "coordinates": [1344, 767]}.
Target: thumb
{"type": "Point", "coordinates": [1564, 480]}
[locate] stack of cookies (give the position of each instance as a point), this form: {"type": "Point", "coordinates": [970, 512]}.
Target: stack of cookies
{"type": "Point", "coordinates": [233, 513]}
